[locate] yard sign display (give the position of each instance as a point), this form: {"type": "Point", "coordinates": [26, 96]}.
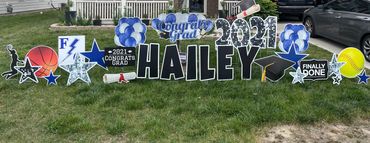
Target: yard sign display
{"type": "Point", "coordinates": [244, 38]}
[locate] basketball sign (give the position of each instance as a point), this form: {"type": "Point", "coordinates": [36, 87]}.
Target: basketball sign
{"type": "Point", "coordinates": [45, 57]}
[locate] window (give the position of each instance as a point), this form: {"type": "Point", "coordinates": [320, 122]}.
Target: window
{"type": "Point", "coordinates": [359, 6]}
{"type": "Point", "coordinates": [341, 5]}
{"type": "Point", "coordinates": [362, 6]}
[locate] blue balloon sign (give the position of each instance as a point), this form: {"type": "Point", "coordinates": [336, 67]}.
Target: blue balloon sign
{"type": "Point", "coordinates": [294, 36]}
{"type": "Point", "coordinates": [178, 26]}
{"type": "Point", "coordinates": [130, 32]}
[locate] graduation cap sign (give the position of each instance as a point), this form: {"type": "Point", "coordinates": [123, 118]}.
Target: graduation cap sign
{"type": "Point", "coordinates": [273, 67]}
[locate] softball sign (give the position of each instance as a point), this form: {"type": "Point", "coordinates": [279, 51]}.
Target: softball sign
{"type": "Point", "coordinates": [354, 62]}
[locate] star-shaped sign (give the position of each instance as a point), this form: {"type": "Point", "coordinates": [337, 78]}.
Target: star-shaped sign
{"type": "Point", "coordinates": [298, 76]}
{"type": "Point", "coordinates": [78, 70]}
{"type": "Point", "coordinates": [27, 71]}
{"type": "Point", "coordinates": [337, 79]}
{"type": "Point", "coordinates": [52, 79]}
{"type": "Point", "coordinates": [96, 55]}
{"type": "Point", "coordinates": [292, 56]}
{"type": "Point", "coordinates": [334, 66]}
{"type": "Point", "coordinates": [363, 78]}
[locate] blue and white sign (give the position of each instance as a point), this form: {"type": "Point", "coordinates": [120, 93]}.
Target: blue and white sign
{"type": "Point", "coordinates": [294, 35]}
{"type": "Point", "coordinates": [130, 32]}
{"type": "Point", "coordinates": [179, 26]}
{"type": "Point", "coordinates": [68, 46]}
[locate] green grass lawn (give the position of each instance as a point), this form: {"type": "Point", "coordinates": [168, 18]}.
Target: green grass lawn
{"type": "Point", "coordinates": [155, 110]}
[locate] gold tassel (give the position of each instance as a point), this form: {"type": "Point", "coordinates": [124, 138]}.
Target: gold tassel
{"type": "Point", "coordinates": [263, 79]}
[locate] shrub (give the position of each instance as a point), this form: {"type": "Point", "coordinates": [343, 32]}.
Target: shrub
{"type": "Point", "coordinates": [82, 22]}
{"type": "Point", "coordinates": [268, 8]}
{"type": "Point", "coordinates": [61, 17]}
{"type": "Point", "coordinates": [89, 21]}
{"type": "Point", "coordinates": [116, 18]}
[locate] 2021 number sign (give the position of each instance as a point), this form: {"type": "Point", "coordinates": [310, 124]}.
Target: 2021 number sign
{"type": "Point", "coordinates": [257, 33]}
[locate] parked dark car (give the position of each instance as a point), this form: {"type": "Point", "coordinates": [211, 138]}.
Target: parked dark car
{"type": "Point", "coordinates": [344, 21]}
{"type": "Point", "coordinates": [294, 7]}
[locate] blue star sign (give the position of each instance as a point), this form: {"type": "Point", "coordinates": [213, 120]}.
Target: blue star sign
{"type": "Point", "coordinates": [52, 79]}
{"type": "Point", "coordinates": [363, 78]}
{"type": "Point", "coordinates": [96, 55]}
{"type": "Point", "coordinates": [293, 56]}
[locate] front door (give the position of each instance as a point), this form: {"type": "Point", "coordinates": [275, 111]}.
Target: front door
{"type": "Point", "coordinates": [197, 6]}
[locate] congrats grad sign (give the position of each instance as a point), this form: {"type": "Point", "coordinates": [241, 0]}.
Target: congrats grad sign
{"type": "Point", "coordinates": [178, 26]}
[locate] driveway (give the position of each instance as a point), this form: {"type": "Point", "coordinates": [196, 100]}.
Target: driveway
{"type": "Point", "coordinates": [324, 43]}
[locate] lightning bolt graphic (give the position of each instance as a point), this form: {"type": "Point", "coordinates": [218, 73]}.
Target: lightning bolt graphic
{"type": "Point", "coordinates": [73, 47]}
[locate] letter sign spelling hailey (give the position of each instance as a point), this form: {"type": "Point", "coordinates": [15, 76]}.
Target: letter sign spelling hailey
{"type": "Point", "coordinates": [198, 65]}
{"type": "Point", "coordinates": [68, 46]}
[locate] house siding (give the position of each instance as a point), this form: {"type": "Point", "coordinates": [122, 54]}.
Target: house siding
{"type": "Point", "coordinates": [28, 5]}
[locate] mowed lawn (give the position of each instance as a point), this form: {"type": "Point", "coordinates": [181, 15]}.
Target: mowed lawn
{"type": "Point", "coordinates": [155, 110]}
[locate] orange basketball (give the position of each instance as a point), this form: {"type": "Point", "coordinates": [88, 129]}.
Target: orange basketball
{"type": "Point", "coordinates": [45, 57]}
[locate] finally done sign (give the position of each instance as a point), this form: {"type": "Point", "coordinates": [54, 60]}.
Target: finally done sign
{"type": "Point", "coordinates": [315, 69]}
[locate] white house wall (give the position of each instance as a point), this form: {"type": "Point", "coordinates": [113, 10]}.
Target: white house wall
{"type": "Point", "coordinates": [29, 5]}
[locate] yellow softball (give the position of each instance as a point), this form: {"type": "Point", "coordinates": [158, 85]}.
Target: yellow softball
{"type": "Point", "coordinates": [354, 62]}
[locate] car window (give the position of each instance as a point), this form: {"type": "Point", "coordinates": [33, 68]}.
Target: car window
{"type": "Point", "coordinates": [341, 5]}
{"type": "Point", "coordinates": [362, 6]}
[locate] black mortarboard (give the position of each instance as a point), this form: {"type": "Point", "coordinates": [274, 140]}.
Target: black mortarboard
{"type": "Point", "coordinates": [273, 67]}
